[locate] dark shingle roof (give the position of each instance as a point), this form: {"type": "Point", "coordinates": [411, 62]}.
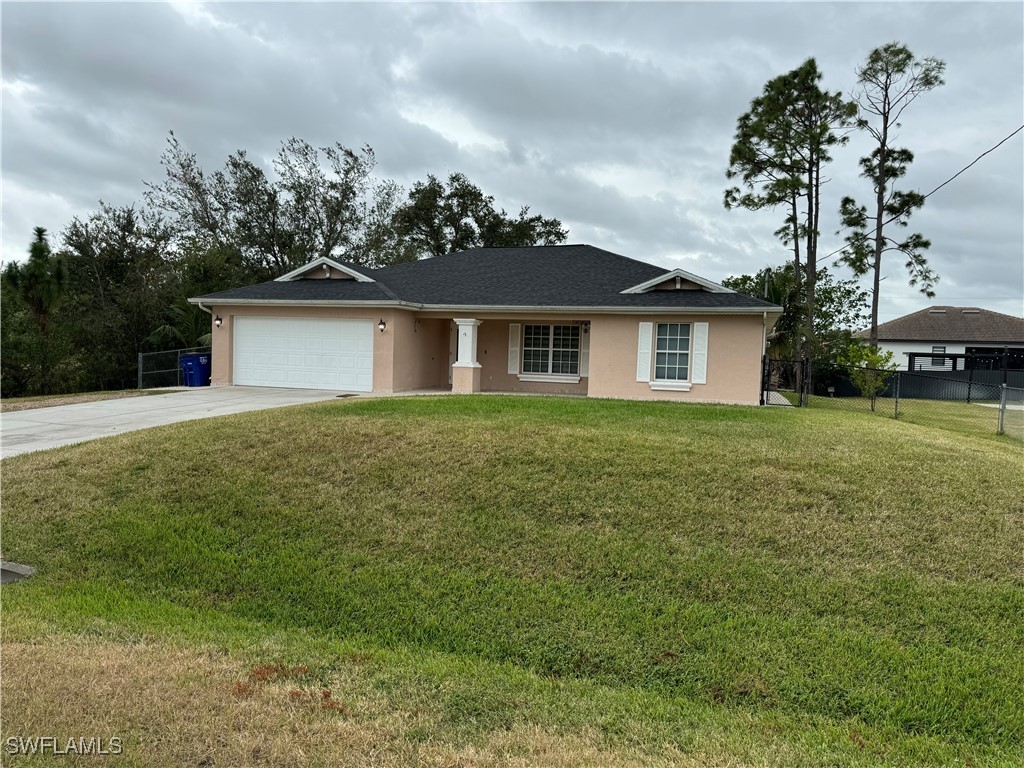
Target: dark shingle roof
{"type": "Point", "coordinates": [540, 276]}
{"type": "Point", "coordinates": [306, 290]}
{"type": "Point", "coordinates": [952, 324]}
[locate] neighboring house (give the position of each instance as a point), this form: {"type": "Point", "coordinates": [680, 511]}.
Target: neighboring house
{"type": "Point", "coordinates": [568, 319]}
{"type": "Point", "coordinates": [943, 338]}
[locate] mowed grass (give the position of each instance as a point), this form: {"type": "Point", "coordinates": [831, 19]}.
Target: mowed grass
{"type": "Point", "coordinates": [981, 419]}
{"type": "Point", "coordinates": [976, 419]}
{"type": "Point", "coordinates": [488, 580]}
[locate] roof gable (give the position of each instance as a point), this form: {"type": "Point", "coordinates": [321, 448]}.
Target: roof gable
{"type": "Point", "coordinates": [680, 277]}
{"type": "Point", "coordinates": [326, 267]}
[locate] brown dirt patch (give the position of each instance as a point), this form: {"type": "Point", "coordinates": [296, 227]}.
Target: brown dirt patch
{"type": "Point", "coordinates": [181, 706]}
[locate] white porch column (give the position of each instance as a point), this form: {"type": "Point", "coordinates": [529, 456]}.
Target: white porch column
{"type": "Point", "coordinates": [466, 369]}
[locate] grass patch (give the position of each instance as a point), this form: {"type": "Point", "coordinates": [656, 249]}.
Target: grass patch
{"type": "Point", "coordinates": [11, 404]}
{"type": "Point", "coordinates": [976, 419]}
{"type": "Point", "coordinates": [205, 707]}
{"type": "Point", "coordinates": [979, 419]}
{"type": "Point", "coordinates": [646, 581]}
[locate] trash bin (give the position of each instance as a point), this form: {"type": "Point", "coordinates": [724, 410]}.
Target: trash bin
{"type": "Point", "coordinates": [195, 370]}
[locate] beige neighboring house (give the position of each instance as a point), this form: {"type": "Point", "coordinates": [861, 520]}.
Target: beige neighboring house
{"type": "Point", "coordinates": [945, 338]}
{"type": "Point", "coordinates": [569, 319]}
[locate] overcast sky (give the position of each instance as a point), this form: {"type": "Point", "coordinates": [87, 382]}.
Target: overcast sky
{"type": "Point", "coordinates": [617, 119]}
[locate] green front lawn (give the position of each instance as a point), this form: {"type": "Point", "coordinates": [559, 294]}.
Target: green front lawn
{"type": "Point", "coordinates": [979, 419]}
{"type": "Point", "coordinates": [573, 581]}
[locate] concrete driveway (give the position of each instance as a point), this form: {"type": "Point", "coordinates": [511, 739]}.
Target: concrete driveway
{"type": "Point", "coordinates": [41, 428]}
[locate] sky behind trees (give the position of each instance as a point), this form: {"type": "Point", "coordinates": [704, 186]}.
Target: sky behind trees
{"type": "Point", "coordinates": [616, 119]}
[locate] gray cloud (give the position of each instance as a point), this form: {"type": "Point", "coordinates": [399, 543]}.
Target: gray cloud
{"type": "Point", "coordinates": [617, 118]}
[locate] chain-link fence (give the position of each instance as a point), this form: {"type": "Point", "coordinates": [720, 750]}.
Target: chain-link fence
{"type": "Point", "coordinates": [1011, 412]}
{"type": "Point", "coordinates": [976, 401]}
{"type": "Point", "coordinates": [163, 369]}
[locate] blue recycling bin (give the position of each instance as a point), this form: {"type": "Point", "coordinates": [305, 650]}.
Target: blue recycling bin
{"type": "Point", "coordinates": [195, 370]}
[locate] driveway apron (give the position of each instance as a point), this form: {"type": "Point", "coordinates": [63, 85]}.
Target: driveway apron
{"type": "Point", "coordinates": [41, 428]}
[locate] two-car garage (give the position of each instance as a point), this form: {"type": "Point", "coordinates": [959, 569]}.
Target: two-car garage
{"type": "Point", "coordinates": [304, 353]}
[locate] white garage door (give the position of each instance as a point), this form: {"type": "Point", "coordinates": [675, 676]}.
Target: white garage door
{"type": "Point", "coordinates": [306, 353]}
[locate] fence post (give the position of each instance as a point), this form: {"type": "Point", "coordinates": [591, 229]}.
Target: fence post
{"type": "Point", "coordinates": [765, 373]}
{"type": "Point", "coordinates": [805, 375]}
{"type": "Point", "coordinates": [896, 412]}
{"type": "Point", "coordinates": [970, 382]}
{"type": "Point", "coordinates": [809, 386]}
{"type": "Point", "coordinates": [1002, 409]}
{"type": "Point", "coordinates": [140, 370]}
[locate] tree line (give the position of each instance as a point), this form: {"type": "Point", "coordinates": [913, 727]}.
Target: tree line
{"type": "Point", "coordinates": [77, 313]}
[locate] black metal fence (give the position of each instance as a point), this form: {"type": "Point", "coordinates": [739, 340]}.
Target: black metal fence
{"type": "Point", "coordinates": [977, 401]}
{"type": "Point", "coordinates": [1006, 359]}
{"type": "Point", "coordinates": [163, 369]}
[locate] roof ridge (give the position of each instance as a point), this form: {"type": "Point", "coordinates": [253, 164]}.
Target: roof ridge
{"type": "Point", "coordinates": [934, 307]}
{"type": "Point", "coordinates": [559, 245]}
{"type": "Point", "coordinates": [629, 258]}
{"type": "Point", "coordinates": [585, 276]}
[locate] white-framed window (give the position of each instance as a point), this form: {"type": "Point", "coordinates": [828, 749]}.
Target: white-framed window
{"type": "Point", "coordinates": [672, 355]}
{"type": "Point", "coordinates": [551, 350]}
{"type": "Point", "coordinates": [672, 352]}
{"type": "Point", "coordinates": [938, 362]}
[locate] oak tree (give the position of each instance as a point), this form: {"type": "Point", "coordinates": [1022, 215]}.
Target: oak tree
{"type": "Point", "coordinates": [441, 217]}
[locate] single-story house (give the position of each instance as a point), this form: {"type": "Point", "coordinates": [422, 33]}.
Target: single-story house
{"type": "Point", "coordinates": [947, 338]}
{"type": "Point", "coordinates": [568, 319]}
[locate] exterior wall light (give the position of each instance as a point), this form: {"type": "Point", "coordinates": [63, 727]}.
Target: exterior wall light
{"type": "Point", "coordinates": [218, 321]}
{"type": "Point", "coordinates": [381, 325]}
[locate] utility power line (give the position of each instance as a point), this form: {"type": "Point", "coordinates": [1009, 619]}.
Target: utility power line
{"type": "Point", "coordinates": [947, 181]}
{"type": "Point", "coordinates": [966, 298]}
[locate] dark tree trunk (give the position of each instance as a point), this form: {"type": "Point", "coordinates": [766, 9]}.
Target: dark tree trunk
{"type": "Point", "coordinates": [881, 182]}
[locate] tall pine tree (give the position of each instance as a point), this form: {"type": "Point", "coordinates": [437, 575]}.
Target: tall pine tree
{"type": "Point", "coordinates": [889, 82]}
{"type": "Point", "coordinates": [781, 146]}
{"type": "Point", "coordinates": [40, 283]}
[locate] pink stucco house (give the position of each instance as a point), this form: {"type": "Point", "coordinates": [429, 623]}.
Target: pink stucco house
{"type": "Point", "coordinates": [569, 319]}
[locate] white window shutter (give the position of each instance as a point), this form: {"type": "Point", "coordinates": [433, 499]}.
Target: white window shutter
{"type": "Point", "coordinates": [699, 364]}
{"type": "Point", "coordinates": [513, 347]}
{"type": "Point", "coordinates": [585, 355]}
{"type": "Point", "coordinates": [643, 352]}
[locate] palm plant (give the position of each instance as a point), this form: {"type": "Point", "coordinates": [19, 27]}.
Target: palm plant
{"type": "Point", "coordinates": [188, 327]}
